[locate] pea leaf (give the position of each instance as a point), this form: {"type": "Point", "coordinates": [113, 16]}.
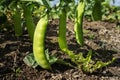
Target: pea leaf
{"type": "Point", "coordinates": [30, 60]}
{"type": "Point", "coordinates": [42, 2]}
{"type": "Point", "coordinates": [51, 59]}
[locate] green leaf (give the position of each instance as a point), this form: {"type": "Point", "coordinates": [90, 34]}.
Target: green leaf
{"type": "Point", "coordinates": [30, 60]}
{"type": "Point", "coordinates": [90, 66]}
{"type": "Point", "coordinates": [51, 59]}
{"type": "Point", "coordinates": [88, 1]}
{"type": "Point", "coordinates": [42, 2]}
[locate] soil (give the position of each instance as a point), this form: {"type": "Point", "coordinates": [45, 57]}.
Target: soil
{"type": "Point", "coordinates": [102, 37]}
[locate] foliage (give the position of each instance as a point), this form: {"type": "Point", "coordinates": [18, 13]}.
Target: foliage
{"type": "Point", "coordinates": [85, 63]}
{"type": "Point", "coordinates": [111, 13]}
{"type": "Point", "coordinates": [89, 65]}
{"type": "Point", "coordinates": [27, 10]}
{"type": "Point", "coordinates": [64, 9]}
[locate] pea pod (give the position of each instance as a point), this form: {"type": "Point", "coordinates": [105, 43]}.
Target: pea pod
{"type": "Point", "coordinates": [79, 22]}
{"type": "Point", "coordinates": [39, 43]}
{"type": "Point", "coordinates": [29, 21]}
{"type": "Point", "coordinates": [62, 31]}
{"type": "Point", "coordinates": [17, 22]}
{"type": "Point", "coordinates": [62, 35]}
{"type": "Point", "coordinates": [96, 11]}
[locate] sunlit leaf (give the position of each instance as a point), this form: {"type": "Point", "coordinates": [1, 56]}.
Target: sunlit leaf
{"type": "Point", "coordinates": [30, 60]}
{"type": "Point", "coordinates": [51, 59]}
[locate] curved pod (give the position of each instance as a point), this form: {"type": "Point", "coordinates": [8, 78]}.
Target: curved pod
{"type": "Point", "coordinates": [79, 22]}
{"type": "Point", "coordinates": [62, 31]}
{"type": "Point", "coordinates": [38, 43]}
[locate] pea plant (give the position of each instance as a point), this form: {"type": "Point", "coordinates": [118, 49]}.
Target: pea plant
{"type": "Point", "coordinates": [16, 17]}
{"type": "Point", "coordinates": [27, 10]}
{"type": "Point", "coordinates": [20, 13]}
{"type": "Point", "coordinates": [40, 55]}
{"type": "Point", "coordinates": [3, 16]}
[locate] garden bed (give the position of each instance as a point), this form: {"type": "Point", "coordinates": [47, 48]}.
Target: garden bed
{"type": "Point", "coordinates": [102, 37]}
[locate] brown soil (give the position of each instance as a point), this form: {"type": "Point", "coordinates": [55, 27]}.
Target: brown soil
{"type": "Point", "coordinates": [102, 37]}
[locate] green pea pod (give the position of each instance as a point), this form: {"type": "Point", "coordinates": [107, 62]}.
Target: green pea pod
{"type": "Point", "coordinates": [29, 22]}
{"type": "Point", "coordinates": [62, 35]}
{"type": "Point", "coordinates": [96, 11]}
{"type": "Point", "coordinates": [62, 31]}
{"type": "Point", "coordinates": [17, 22]}
{"type": "Point", "coordinates": [79, 22]}
{"type": "Point", "coordinates": [39, 43]}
